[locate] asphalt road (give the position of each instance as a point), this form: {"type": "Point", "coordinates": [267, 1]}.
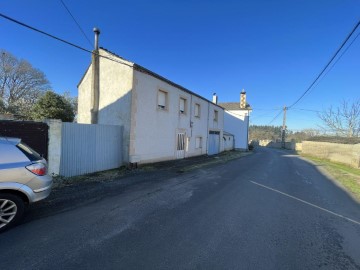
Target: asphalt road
{"type": "Point", "coordinates": [269, 210]}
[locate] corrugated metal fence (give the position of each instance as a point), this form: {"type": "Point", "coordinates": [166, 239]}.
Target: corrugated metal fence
{"type": "Point", "coordinates": [89, 148]}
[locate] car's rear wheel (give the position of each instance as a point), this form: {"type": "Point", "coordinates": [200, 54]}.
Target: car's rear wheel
{"type": "Point", "coordinates": [11, 210]}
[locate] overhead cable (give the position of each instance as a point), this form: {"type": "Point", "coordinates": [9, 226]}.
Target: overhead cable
{"type": "Point", "coordinates": [78, 25]}
{"type": "Point", "coordinates": [327, 65]}
{"type": "Point", "coordinates": [61, 40]}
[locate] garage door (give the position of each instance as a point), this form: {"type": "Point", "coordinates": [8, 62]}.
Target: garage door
{"type": "Point", "coordinates": [214, 142]}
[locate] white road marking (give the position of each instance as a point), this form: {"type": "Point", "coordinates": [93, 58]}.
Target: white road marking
{"type": "Point", "coordinates": [313, 205]}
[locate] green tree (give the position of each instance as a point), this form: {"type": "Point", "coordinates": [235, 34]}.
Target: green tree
{"type": "Point", "coordinates": [20, 84]}
{"type": "Point", "coordinates": [53, 106]}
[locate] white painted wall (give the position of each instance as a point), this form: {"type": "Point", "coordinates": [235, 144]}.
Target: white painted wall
{"type": "Point", "coordinates": [236, 123]}
{"type": "Point", "coordinates": [228, 142]}
{"type": "Point", "coordinates": [154, 130]}
{"type": "Point", "coordinates": [116, 82]}
{"type": "Point", "coordinates": [128, 97]}
{"type": "Point", "coordinates": [54, 145]}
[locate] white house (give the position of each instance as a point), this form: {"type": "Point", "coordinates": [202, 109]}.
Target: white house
{"type": "Point", "coordinates": [162, 120]}
{"type": "Point", "coordinates": [236, 121]}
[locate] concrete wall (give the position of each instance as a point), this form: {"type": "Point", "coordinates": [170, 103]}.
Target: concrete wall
{"type": "Point", "coordinates": [228, 142]}
{"type": "Point", "coordinates": [272, 144]}
{"type": "Point", "coordinates": [54, 146]}
{"type": "Point", "coordinates": [343, 153]}
{"type": "Point", "coordinates": [236, 122]}
{"type": "Point", "coordinates": [116, 82]}
{"type": "Point", "coordinates": [154, 131]}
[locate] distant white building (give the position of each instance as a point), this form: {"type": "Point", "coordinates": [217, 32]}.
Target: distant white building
{"type": "Point", "coordinates": [236, 121]}
{"type": "Point", "coordinates": [162, 120]}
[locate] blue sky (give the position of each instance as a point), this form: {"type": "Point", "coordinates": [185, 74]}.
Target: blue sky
{"type": "Point", "coordinates": [272, 49]}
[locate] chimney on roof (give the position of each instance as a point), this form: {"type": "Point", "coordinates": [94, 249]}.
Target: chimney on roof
{"type": "Point", "coordinates": [97, 33]}
{"type": "Point", "coordinates": [243, 99]}
{"type": "Point", "coordinates": [215, 98]}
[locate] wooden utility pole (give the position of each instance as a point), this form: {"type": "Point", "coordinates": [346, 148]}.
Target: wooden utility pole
{"type": "Point", "coordinates": [283, 131]}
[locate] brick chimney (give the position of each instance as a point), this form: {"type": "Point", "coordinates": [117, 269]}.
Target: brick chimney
{"type": "Point", "coordinates": [243, 99]}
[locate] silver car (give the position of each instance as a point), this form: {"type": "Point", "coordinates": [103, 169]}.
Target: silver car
{"type": "Point", "coordinates": [23, 180]}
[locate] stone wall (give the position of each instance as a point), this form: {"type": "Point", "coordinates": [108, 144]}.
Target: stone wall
{"type": "Point", "coordinates": [344, 153]}
{"type": "Point", "coordinates": [272, 144]}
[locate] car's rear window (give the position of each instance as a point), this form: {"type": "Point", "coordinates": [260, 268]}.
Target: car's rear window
{"type": "Point", "coordinates": [29, 152]}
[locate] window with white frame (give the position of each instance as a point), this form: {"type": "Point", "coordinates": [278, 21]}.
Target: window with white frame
{"type": "Point", "coordinates": [216, 115]}
{"type": "Point", "coordinates": [162, 100]}
{"type": "Point", "coordinates": [182, 108]}
{"type": "Point", "coordinates": [198, 142]}
{"type": "Point", "coordinates": [197, 110]}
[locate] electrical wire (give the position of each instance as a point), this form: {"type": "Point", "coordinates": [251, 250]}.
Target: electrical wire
{"type": "Point", "coordinates": [78, 25]}
{"type": "Point", "coordinates": [305, 110]}
{"type": "Point", "coordinates": [61, 40]}
{"type": "Point", "coordinates": [276, 116]}
{"type": "Point", "coordinates": [327, 65]}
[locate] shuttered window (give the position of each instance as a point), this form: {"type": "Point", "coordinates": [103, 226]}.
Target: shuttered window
{"type": "Point", "coordinates": [182, 105]}
{"type": "Point", "coordinates": [197, 110]}
{"type": "Point", "coordinates": [162, 98]}
{"type": "Point", "coordinates": [216, 115]}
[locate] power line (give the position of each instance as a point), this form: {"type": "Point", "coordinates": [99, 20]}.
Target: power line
{"type": "Point", "coordinates": [276, 116]}
{"type": "Point", "coordinates": [327, 65]}
{"type": "Point", "coordinates": [82, 31]}
{"type": "Point", "coordinates": [61, 40]}
{"type": "Point", "coordinates": [308, 110]}
{"type": "Point", "coordinates": [265, 109]}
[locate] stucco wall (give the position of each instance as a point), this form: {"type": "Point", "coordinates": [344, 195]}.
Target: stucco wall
{"type": "Point", "coordinates": [154, 130]}
{"type": "Point", "coordinates": [343, 153]}
{"type": "Point", "coordinates": [228, 142]}
{"type": "Point", "coordinates": [116, 82]}
{"type": "Point", "coordinates": [84, 98]}
{"type": "Point", "coordinates": [54, 145]}
{"type": "Point", "coordinates": [236, 122]}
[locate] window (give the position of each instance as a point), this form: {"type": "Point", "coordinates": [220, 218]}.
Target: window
{"type": "Point", "coordinates": [216, 115]}
{"type": "Point", "coordinates": [182, 105]}
{"type": "Point", "coordinates": [198, 142]}
{"type": "Point", "coordinates": [162, 100]}
{"type": "Point", "coordinates": [197, 110]}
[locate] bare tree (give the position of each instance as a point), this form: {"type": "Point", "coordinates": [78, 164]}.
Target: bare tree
{"type": "Point", "coordinates": [20, 84]}
{"type": "Point", "coordinates": [343, 120]}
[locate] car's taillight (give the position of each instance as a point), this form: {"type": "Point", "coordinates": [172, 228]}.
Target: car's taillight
{"type": "Point", "coordinates": [37, 168]}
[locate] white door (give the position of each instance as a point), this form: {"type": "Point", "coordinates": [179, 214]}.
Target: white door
{"type": "Point", "coordinates": [180, 146]}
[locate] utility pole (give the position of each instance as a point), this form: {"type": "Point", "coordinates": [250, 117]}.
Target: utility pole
{"type": "Point", "coordinates": [283, 131]}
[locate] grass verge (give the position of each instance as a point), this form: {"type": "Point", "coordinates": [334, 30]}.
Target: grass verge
{"type": "Point", "coordinates": [347, 176]}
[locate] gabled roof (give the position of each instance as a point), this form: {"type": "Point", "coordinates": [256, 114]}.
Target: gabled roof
{"type": "Point", "coordinates": [234, 106]}
{"type": "Point", "coordinates": [151, 73]}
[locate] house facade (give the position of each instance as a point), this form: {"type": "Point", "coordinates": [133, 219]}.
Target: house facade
{"type": "Point", "coordinates": [236, 121]}
{"type": "Point", "coordinates": [161, 120]}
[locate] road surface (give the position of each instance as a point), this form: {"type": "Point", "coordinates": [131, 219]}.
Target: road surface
{"type": "Point", "coordinates": [269, 210]}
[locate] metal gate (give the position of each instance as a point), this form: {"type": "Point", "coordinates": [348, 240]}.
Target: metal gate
{"type": "Point", "coordinates": [180, 147]}
{"type": "Point", "coordinates": [214, 142]}
{"type": "Point", "coordinates": [34, 134]}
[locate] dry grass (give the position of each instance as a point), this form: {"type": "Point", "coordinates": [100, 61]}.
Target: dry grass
{"type": "Point", "coordinates": [347, 176]}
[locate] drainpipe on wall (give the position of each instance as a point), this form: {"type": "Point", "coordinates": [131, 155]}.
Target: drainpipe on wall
{"type": "Point", "coordinates": [95, 82]}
